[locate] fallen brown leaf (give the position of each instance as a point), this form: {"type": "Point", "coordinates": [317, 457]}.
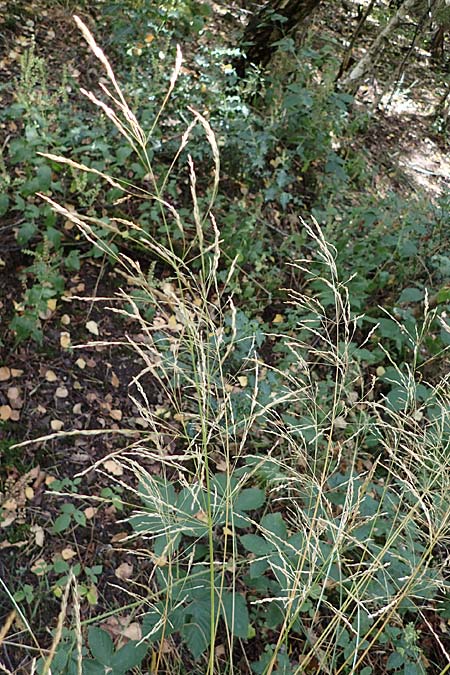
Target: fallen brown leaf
{"type": "Point", "coordinates": [5, 413]}
{"type": "Point", "coordinates": [90, 512]}
{"type": "Point", "coordinates": [124, 571]}
{"type": "Point", "coordinates": [38, 535]}
{"type": "Point", "coordinates": [68, 553]}
{"type": "Point", "coordinates": [113, 467]}
{"type": "Point", "coordinates": [92, 327]}
{"type": "Point", "coordinates": [64, 339]}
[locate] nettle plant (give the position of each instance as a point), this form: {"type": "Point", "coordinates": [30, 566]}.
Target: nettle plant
{"type": "Point", "coordinates": [270, 528]}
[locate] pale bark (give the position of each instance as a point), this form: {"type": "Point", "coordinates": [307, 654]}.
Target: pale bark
{"type": "Point", "coordinates": [364, 65]}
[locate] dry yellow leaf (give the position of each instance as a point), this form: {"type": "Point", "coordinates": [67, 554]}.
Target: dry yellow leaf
{"type": "Point", "coordinates": [81, 363]}
{"type": "Point", "coordinates": [90, 512]}
{"type": "Point", "coordinates": [201, 516]}
{"type": "Point", "coordinates": [29, 492]}
{"type": "Point", "coordinates": [10, 504]}
{"type": "Point", "coordinates": [340, 422]}
{"type": "Point", "coordinates": [172, 322]}
{"type": "Point", "coordinates": [38, 532]}
{"type": "Point", "coordinates": [124, 571]}
{"type": "Point", "coordinates": [56, 425]}
{"type": "Point", "coordinates": [114, 380]}
{"type": "Point", "coordinates": [13, 393]}
{"type": "Point", "coordinates": [92, 327]}
{"type": "Point", "coordinates": [5, 413]}
{"type": "Point", "coordinates": [133, 631]}
{"type": "Point", "coordinates": [65, 319]}
{"type": "Point", "coordinates": [116, 415]}
{"type": "Point", "coordinates": [243, 380]}
{"type": "Point", "coordinates": [16, 372]}
{"type": "Point", "coordinates": [15, 415]}
{"type": "Point", "coordinates": [77, 409]}
{"type": "Point", "coordinates": [62, 392]}
{"type": "Point", "coordinates": [159, 561]}
{"type": "Point", "coordinates": [51, 304]}
{"type": "Point", "coordinates": [5, 373]}
{"type": "Point", "coordinates": [64, 339]}
{"type": "Point", "coordinates": [278, 318]}
{"type": "Point", "coordinates": [51, 376]}
{"type": "Point", "coordinates": [120, 536]}
{"type": "Point", "coordinates": [113, 467]}
{"type": "Point", "coordinates": [68, 553]}
{"type": "Point", "coordinates": [380, 371]}
{"type": "Point", "coordinates": [222, 465]}
{"type": "Point", "coordinates": [39, 568]}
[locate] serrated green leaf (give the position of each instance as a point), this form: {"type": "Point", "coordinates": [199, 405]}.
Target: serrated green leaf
{"type": "Point", "coordinates": [92, 667]}
{"type": "Point", "coordinates": [273, 522]}
{"type": "Point", "coordinates": [62, 522]}
{"type": "Point", "coordinates": [101, 645]}
{"type": "Point", "coordinates": [250, 499]}
{"type": "Point", "coordinates": [4, 203]}
{"type": "Point", "coordinates": [235, 613]}
{"type": "Point", "coordinates": [411, 294]}
{"type": "Point", "coordinates": [443, 295]}
{"type": "Point", "coordinates": [79, 518]}
{"type": "Point", "coordinates": [43, 177]}
{"type": "Point", "coordinates": [395, 660]}
{"type": "Point", "coordinates": [258, 567]}
{"type": "Point", "coordinates": [128, 657]}
{"type": "Point", "coordinates": [196, 631]}
{"type": "Point", "coordinates": [256, 544]}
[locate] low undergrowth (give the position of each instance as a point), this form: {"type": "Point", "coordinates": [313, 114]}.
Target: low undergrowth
{"type": "Point", "coordinates": [288, 504]}
{"type": "Point", "coordinates": [290, 515]}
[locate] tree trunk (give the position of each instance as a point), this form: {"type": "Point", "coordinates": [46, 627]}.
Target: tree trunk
{"type": "Point", "coordinates": [345, 63]}
{"type": "Point", "coordinates": [274, 21]}
{"type": "Point", "coordinates": [364, 65]}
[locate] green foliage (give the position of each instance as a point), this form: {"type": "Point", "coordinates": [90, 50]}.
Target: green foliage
{"type": "Point", "coordinates": [180, 520]}
{"type": "Point", "coordinates": [107, 659]}
{"type": "Point", "coordinates": [332, 513]}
